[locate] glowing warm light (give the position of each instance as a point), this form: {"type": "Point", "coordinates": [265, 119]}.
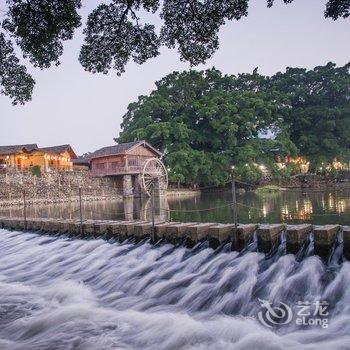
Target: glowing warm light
{"type": "Point", "coordinates": [341, 206]}
{"type": "Point", "coordinates": [338, 165]}
{"type": "Point", "coordinates": [331, 201]}
{"type": "Point", "coordinates": [264, 210]}
{"type": "Point", "coordinates": [286, 214]}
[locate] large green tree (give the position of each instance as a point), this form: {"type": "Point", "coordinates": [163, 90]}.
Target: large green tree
{"type": "Point", "coordinates": [318, 117]}
{"type": "Point", "coordinates": [317, 114]}
{"type": "Point", "coordinates": [204, 121]}
{"type": "Point", "coordinates": [114, 33]}
{"type": "Point", "coordinates": [204, 124]}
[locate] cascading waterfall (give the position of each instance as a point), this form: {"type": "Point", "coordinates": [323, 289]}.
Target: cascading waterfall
{"type": "Point", "coordinates": [62, 293]}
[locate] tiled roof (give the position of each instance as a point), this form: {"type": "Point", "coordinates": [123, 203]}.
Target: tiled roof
{"type": "Point", "coordinates": [55, 149]}
{"type": "Point", "coordinates": [59, 149]}
{"type": "Point", "coordinates": [5, 150]}
{"type": "Point", "coordinates": [81, 160]}
{"type": "Point", "coordinates": [112, 150]}
{"type": "Point", "coordinates": [122, 148]}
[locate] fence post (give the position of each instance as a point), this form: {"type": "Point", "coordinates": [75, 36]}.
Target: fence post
{"type": "Point", "coordinates": [152, 203]}
{"type": "Point", "coordinates": [234, 200]}
{"type": "Point", "coordinates": [25, 210]}
{"type": "Point", "coordinates": [80, 212]}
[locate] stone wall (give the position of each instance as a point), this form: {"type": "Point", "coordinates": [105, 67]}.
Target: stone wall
{"type": "Point", "coordinates": [54, 187]}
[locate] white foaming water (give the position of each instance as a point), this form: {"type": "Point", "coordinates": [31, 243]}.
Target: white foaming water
{"type": "Point", "coordinates": [58, 293]}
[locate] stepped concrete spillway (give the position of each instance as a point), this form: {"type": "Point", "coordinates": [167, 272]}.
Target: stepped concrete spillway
{"type": "Point", "coordinates": [267, 235]}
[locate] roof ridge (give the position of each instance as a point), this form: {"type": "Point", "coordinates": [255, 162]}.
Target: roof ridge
{"type": "Point", "coordinates": [64, 145]}
{"type": "Point", "coordinates": [20, 145]}
{"type": "Point", "coordinates": [119, 148]}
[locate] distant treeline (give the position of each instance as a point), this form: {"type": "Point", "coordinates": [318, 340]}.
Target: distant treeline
{"type": "Point", "coordinates": [205, 121]}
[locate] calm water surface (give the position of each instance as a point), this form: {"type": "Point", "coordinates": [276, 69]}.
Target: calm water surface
{"type": "Point", "coordinates": [290, 207]}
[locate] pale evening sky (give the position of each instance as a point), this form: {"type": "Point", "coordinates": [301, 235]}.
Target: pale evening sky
{"type": "Point", "coordinates": [85, 110]}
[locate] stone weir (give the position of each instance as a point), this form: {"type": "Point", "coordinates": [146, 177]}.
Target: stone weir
{"type": "Point", "coordinates": [266, 235]}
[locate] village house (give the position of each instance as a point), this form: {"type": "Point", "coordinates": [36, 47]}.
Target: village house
{"type": "Point", "coordinates": [81, 164]}
{"type": "Point", "coordinates": [124, 162]}
{"type": "Point", "coordinates": [124, 158]}
{"type": "Point", "coordinates": [24, 157]}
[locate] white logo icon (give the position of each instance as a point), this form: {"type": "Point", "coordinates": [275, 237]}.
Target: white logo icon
{"type": "Point", "coordinates": [274, 315]}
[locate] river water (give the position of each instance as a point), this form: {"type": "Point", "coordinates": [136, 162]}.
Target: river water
{"type": "Point", "coordinates": [318, 207]}
{"type": "Point", "coordinates": [62, 293]}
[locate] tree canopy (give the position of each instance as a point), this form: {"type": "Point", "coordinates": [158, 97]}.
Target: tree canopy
{"type": "Point", "coordinates": [205, 122]}
{"type": "Point", "coordinates": [319, 115]}
{"type": "Point", "coordinates": [114, 33]}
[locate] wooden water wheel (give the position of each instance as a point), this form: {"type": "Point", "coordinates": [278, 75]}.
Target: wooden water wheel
{"type": "Point", "coordinates": [154, 174]}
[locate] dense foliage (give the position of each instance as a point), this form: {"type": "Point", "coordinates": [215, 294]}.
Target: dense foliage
{"type": "Point", "coordinates": [206, 122]}
{"type": "Point", "coordinates": [14, 78]}
{"type": "Point", "coordinates": [115, 33]}
{"type": "Point", "coordinates": [319, 117]}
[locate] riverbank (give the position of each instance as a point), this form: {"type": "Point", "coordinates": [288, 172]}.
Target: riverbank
{"type": "Point", "coordinates": [340, 179]}
{"type": "Point", "coordinates": [19, 202]}
{"type": "Point", "coordinates": [64, 187]}
{"type": "Point", "coordinates": [182, 192]}
{"type": "Point", "coordinates": [49, 200]}
{"type": "Point", "coordinates": [320, 188]}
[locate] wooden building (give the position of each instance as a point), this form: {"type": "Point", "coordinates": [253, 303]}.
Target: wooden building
{"type": "Point", "coordinates": [58, 157]}
{"type": "Point", "coordinates": [81, 164]}
{"type": "Point", "coordinates": [23, 157]}
{"type": "Point", "coordinates": [124, 162]}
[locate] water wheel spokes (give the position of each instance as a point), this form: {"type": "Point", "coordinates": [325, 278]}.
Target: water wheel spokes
{"type": "Point", "coordinates": [154, 174]}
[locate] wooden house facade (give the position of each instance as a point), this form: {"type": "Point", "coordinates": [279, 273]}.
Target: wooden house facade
{"type": "Point", "coordinates": [123, 159]}
{"type": "Point", "coordinates": [124, 162]}
{"type": "Point", "coordinates": [24, 157]}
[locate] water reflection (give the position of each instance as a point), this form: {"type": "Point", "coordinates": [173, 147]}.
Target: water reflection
{"type": "Point", "coordinates": [290, 207]}
{"type": "Point", "coordinates": [127, 209]}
